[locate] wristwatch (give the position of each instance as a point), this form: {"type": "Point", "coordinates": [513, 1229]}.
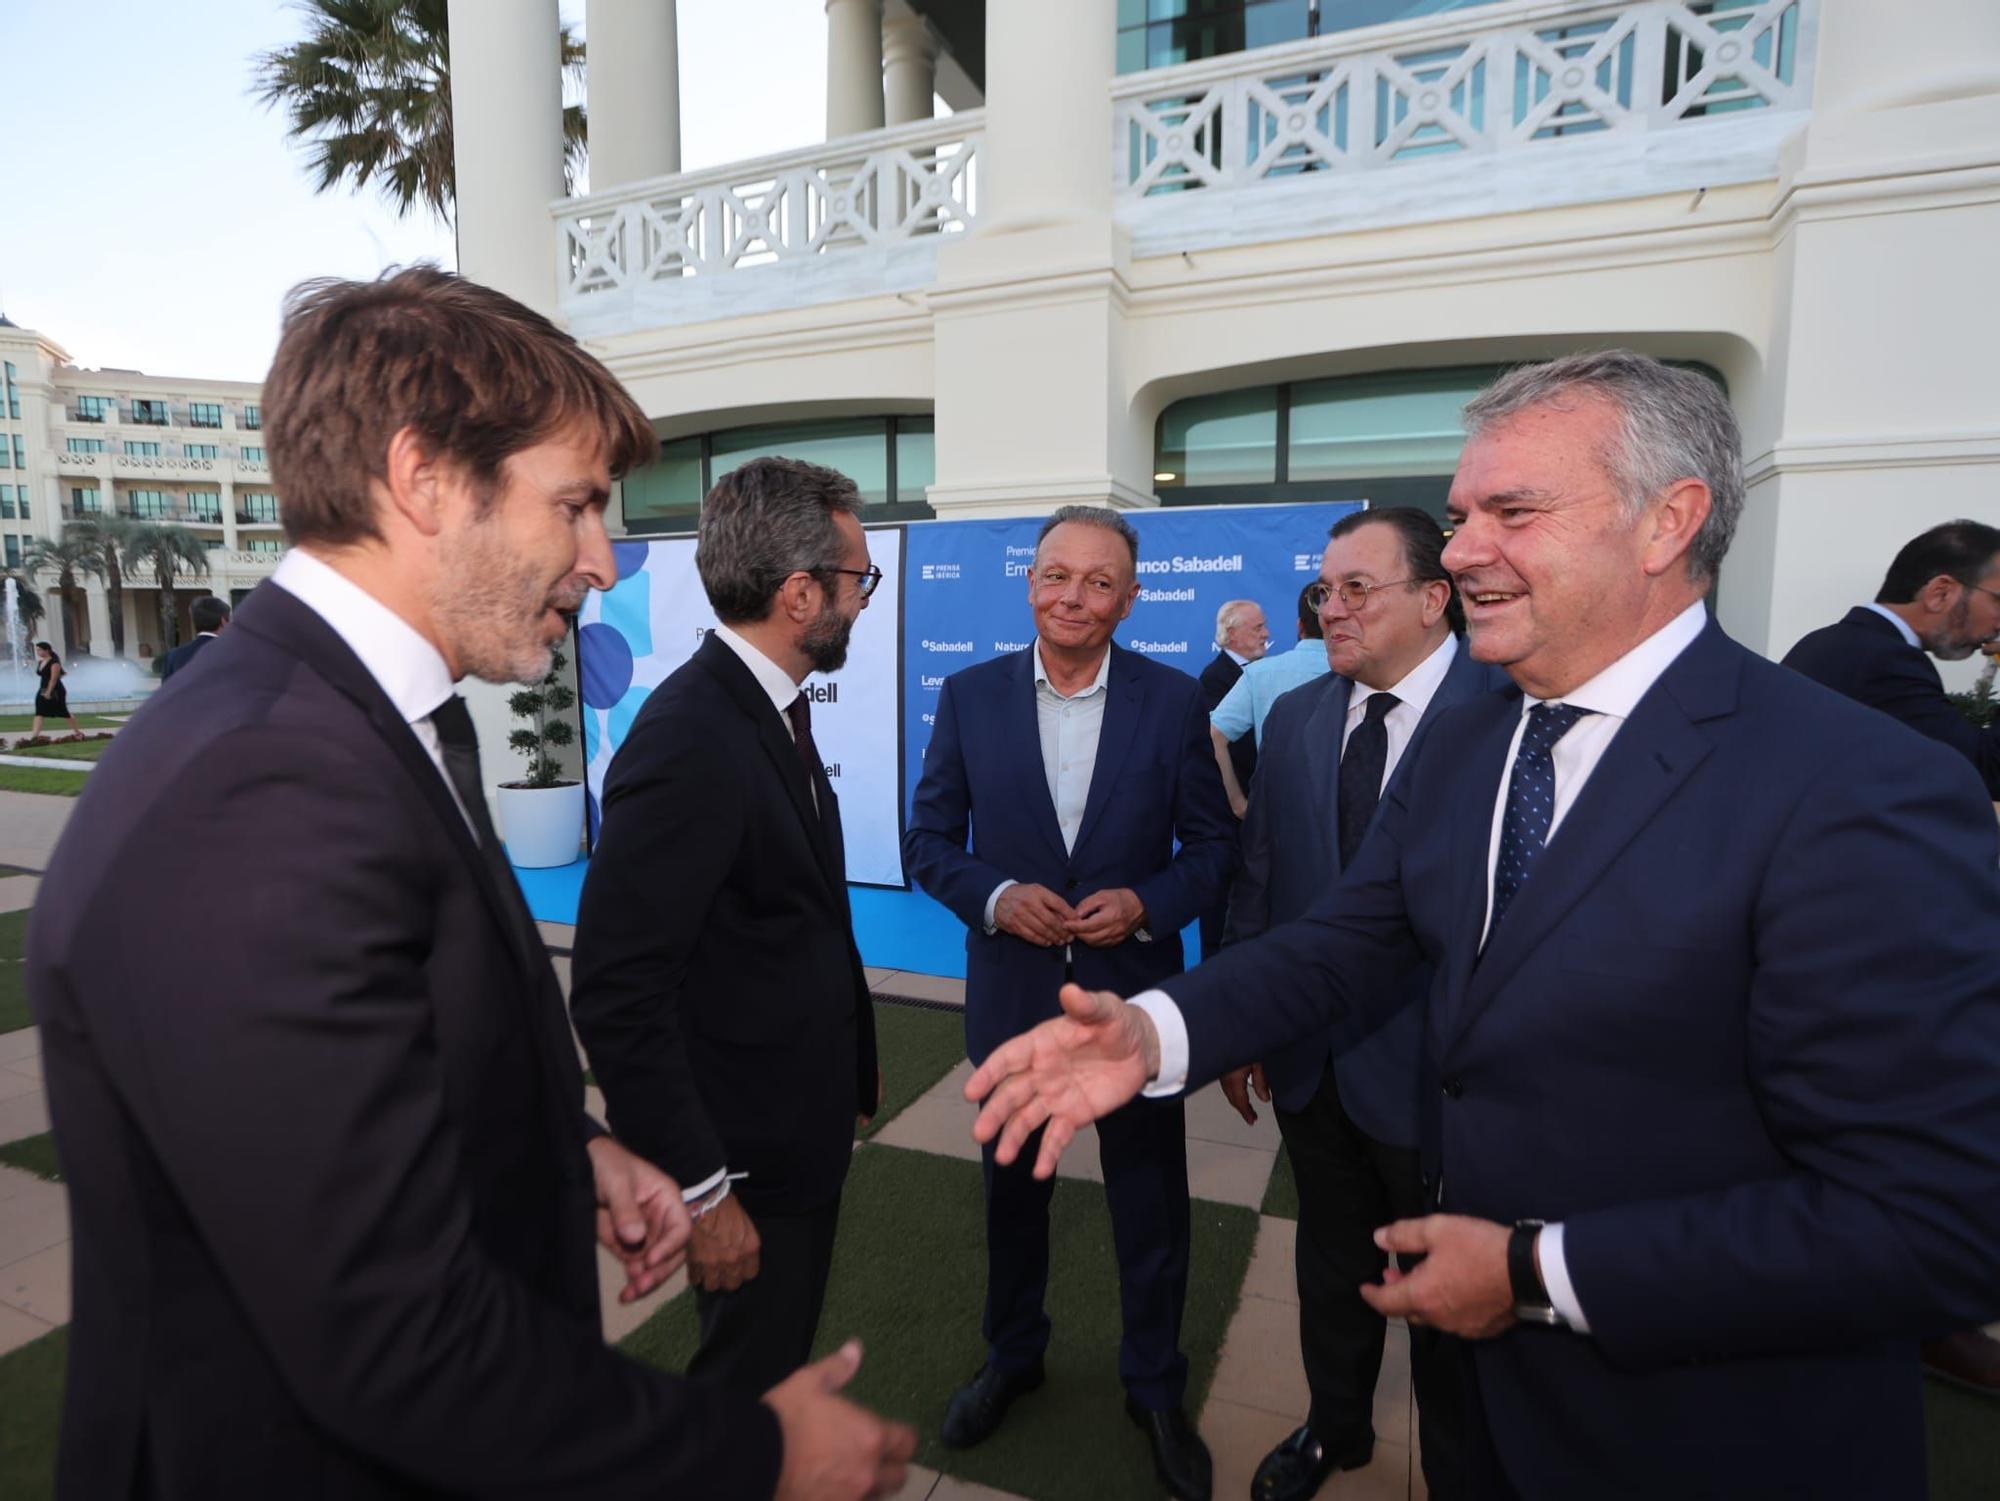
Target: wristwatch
{"type": "Point", "coordinates": [1531, 1298]}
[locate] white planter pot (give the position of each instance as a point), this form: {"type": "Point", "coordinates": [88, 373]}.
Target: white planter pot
{"type": "Point", "coordinates": [542, 826]}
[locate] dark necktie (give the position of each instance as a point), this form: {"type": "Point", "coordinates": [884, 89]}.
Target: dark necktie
{"type": "Point", "coordinates": [460, 744]}
{"type": "Point", "coordinates": [799, 712]}
{"type": "Point", "coordinates": [1531, 803]}
{"type": "Point", "coordinates": [1361, 767]}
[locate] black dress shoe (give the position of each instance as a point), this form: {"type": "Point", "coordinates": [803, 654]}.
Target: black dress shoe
{"type": "Point", "coordinates": [1298, 1467]}
{"type": "Point", "coordinates": [1179, 1455]}
{"type": "Point", "coordinates": [977, 1407]}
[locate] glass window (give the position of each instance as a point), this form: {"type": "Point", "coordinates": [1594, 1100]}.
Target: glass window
{"type": "Point", "coordinates": [265, 546]}
{"type": "Point", "coordinates": [149, 413]}
{"type": "Point", "coordinates": [916, 458]}
{"type": "Point", "coordinates": [23, 492]}
{"type": "Point", "coordinates": [86, 445]}
{"type": "Point", "coordinates": [13, 552]}
{"type": "Point", "coordinates": [1230, 438]}
{"type": "Point", "coordinates": [204, 505]}
{"type": "Point", "coordinates": [201, 450]}
{"type": "Point", "coordinates": [142, 450]}
{"type": "Point", "coordinates": [84, 503]}
{"type": "Point", "coordinates": [259, 507]}
{"type": "Point", "coordinates": [95, 408]}
{"type": "Point", "coordinates": [204, 414]}
{"type": "Point", "coordinates": [251, 455]}
{"type": "Point", "coordinates": [212, 544]}
{"type": "Point", "coordinates": [20, 452]}
{"type": "Point", "coordinates": [5, 461]}
{"type": "Point", "coordinates": [151, 504]}
{"type": "Point", "coordinates": [13, 392]}
{"type": "Point", "coordinates": [253, 416]}
{"type": "Point", "coordinates": [1403, 422]}
{"type": "Point", "coordinates": [667, 489]}
{"type": "Point", "coordinates": [856, 447]}
{"type": "Point", "coordinates": [6, 502]}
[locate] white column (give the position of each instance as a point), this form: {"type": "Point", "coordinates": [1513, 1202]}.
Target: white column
{"type": "Point", "coordinates": [909, 69]}
{"type": "Point", "coordinates": [506, 107]}
{"type": "Point", "coordinates": [97, 612]}
{"type": "Point", "coordinates": [1049, 65]}
{"type": "Point", "coordinates": [635, 91]}
{"type": "Point", "coordinates": [853, 67]}
{"type": "Point", "coordinates": [229, 540]}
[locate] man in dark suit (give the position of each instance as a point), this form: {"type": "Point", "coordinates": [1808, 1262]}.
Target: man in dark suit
{"type": "Point", "coordinates": [331, 1182]}
{"type": "Point", "coordinates": [717, 988]}
{"type": "Point", "coordinates": [1941, 599]}
{"type": "Point", "coordinates": [209, 615]}
{"type": "Point", "coordinates": [1389, 617]}
{"type": "Point", "coordinates": [1716, 1135]}
{"type": "Point", "coordinates": [1241, 637]}
{"type": "Point", "coordinates": [1075, 765]}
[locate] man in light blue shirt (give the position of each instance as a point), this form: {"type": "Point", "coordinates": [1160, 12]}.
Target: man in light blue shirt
{"type": "Point", "coordinates": [1244, 707]}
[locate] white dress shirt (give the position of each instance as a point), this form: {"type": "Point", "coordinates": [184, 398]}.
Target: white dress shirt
{"type": "Point", "coordinates": [1070, 729]}
{"type": "Point", "coordinates": [1413, 697]}
{"type": "Point", "coordinates": [1611, 697]}
{"type": "Point", "coordinates": [1902, 626]}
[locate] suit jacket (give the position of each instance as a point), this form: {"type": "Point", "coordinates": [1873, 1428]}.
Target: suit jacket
{"type": "Point", "coordinates": [331, 1204]}
{"type": "Point", "coordinates": [1216, 680]}
{"type": "Point", "coordinates": [716, 986]}
{"type": "Point", "coordinates": [1865, 657]}
{"type": "Point", "coordinates": [1291, 857]}
{"type": "Point", "coordinates": [1738, 1033]}
{"type": "Point", "coordinates": [1154, 781]}
{"type": "Point", "coordinates": [183, 654]}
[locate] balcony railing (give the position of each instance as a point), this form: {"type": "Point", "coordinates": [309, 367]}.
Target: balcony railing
{"type": "Point", "coordinates": [886, 190]}
{"type": "Point", "coordinates": [1495, 79]}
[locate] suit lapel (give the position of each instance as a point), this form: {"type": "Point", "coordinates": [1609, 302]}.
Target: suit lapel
{"type": "Point", "coordinates": [1323, 729]}
{"type": "Point", "coordinates": [1023, 721]}
{"type": "Point", "coordinates": [1123, 704]}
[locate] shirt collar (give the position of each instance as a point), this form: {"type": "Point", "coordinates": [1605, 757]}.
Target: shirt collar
{"type": "Point", "coordinates": [1902, 626]}
{"type": "Point", "coordinates": [1103, 673]}
{"type": "Point", "coordinates": [773, 679]}
{"type": "Point", "coordinates": [406, 666]}
{"type": "Point", "coordinates": [1616, 691]}
{"type": "Point", "coordinates": [1419, 685]}
{"type": "Point", "coordinates": [1235, 656]}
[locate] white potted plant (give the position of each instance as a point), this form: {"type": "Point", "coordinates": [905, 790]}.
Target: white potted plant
{"type": "Point", "coordinates": [541, 815]}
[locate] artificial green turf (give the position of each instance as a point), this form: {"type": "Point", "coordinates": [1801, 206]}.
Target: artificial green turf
{"type": "Point", "coordinates": [63, 750]}
{"type": "Point", "coordinates": [1281, 1194]}
{"type": "Point", "coordinates": [31, 1388]}
{"type": "Point", "coordinates": [35, 1154]}
{"type": "Point", "coordinates": [49, 779]}
{"type": "Point", "coordinates": [17, 870]}
{"type": "Point", "coordinates": [13, 972]}
{"type": "Point", "coordinates": [1964, 1441]}
{"type": "Point", "coordinates": [917, 1047]}
{"type": "Point", "coordinates": [20, 724]}
{"type": "Point", "coordinates": [909, 1273]}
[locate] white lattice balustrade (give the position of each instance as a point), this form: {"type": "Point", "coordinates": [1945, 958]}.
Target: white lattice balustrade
{"type": "Point", "coordinates": [885, 190]}
{"type": "Point", "coordinates": [1490, 80]}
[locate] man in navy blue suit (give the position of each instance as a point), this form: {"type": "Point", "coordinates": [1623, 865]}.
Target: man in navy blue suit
{"type": "Point", "coordinates": [1716, 1132]}
{"type": "Point", "coordinates": [1075, 766]}
{"type": "Point", "coordinates": [1941, 598]}
{"type": "Point", "coordinates": [1389, 617]}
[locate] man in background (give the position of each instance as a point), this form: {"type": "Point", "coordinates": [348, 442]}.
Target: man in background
{"type": "Point", "coordinates": [1058, 781]}
{"type": "Point", "coordinates": [1241, 714]}
{"type": "Point", "coordinates": [209, 615]}
{"type": "Point", "coordinates": [717, 989]}
{"type": "Point", "coordinates": [1241, 638]}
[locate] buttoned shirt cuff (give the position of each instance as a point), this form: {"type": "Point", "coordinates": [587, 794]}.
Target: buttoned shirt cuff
{"type": "Point", "coordinates": [717, 1179]}
{"type": "Point", "coordinates": [1172, 1030]}
{"type": "Point", "coordinates": [1555, 1278]}
{"type": "Point", "coordinates": [992, 905]}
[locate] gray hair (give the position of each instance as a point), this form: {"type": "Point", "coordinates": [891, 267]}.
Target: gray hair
{"type": "Point", "coordinates": [764, 522]}
{"type": "Point", "coordinates": [1101, 516]}
{"type": "Point", "coordinates": [1225, 618]}
{"type": "Point", "coordinates": [1673, 425]}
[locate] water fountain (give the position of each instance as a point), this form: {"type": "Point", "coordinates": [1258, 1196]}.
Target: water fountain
{"type": "Point", "coordinates": [18, 676]}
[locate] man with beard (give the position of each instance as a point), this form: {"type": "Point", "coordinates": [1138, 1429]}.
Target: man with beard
{"type": "Point", "coordinates": [1942, 597]}
{"type": "Point", "coordinates": [717, 988]}
{"type": "Point", "coordinates": [330, 1178]}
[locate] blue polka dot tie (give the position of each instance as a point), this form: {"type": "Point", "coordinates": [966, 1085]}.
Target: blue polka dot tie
{"type": "Point", "coordinates": [1531, 803]}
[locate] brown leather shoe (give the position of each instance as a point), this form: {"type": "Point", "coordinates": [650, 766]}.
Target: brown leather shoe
{"type": "Point", "coordinates": [1971, 1358]}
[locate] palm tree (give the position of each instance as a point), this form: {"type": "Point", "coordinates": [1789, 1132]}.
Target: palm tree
{"type": "Point", "coordinates": [167, 549]}
{"type": "Point", "coordinates": [66, 557]}
{"type": "Point", "coordinates": [370, 88]}
{"type": "Point", "coordinates": [107, 535]}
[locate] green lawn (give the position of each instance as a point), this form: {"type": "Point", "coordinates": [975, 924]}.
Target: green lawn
{"type": "Point", "coordinates": [20, 724]}
{"type": "Point", "coordinates": [909, 1269]}
{"type": "Point", "coordinates": [13, 973]}
{"type": "Point", "coordinates": [917, 1047]}
{"type": "Point", "coordinates": [34, 1154]}
{"type": "Point", "coordinates": [31, 1387]}
{"type": "Point", "coordinates": [71, 750]}
{"type": "Point", "coordinates": [51, 779]}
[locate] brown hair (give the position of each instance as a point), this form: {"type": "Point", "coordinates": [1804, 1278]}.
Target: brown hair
{"type": "Point", "coordinates": [478, 376]}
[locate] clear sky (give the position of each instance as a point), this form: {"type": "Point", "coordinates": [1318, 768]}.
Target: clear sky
{"type": "Point", "coordinates": [152, 214]}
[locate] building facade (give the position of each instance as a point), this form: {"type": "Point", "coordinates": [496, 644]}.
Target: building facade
{"type": "Point", "coordinates": [76, 445]}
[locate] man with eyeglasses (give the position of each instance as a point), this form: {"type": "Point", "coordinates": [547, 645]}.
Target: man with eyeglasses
{"type": "Point", "coordinates": [717, 987]}
{"type": "Point", "coordinates": [1246, 705]}
{"type": "Point", "coordinates": [1056, 785]}
{"type": "Point", "coordinates": [1350, 1121]}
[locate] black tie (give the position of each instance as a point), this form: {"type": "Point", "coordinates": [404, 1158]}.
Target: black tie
{"type": "Point", "coordinates": [460, 744]}
{"type": "Point", "coordinates": [799, 712]}
{"type": "Point", "coordinates": [1361, 767]}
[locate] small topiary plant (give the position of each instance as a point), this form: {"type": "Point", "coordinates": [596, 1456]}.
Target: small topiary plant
{"type": "Point", "coordinates": [545, 731]}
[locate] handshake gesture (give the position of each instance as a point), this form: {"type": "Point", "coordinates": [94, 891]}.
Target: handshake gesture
{"type": "Point", "coordinates": [1037, 915]}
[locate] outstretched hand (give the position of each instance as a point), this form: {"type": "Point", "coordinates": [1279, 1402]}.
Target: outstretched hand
{"type": "Point", "coordinates": [1064, 1074]}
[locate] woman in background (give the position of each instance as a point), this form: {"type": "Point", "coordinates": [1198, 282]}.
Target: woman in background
{"type": "Point", "coordinates": [51, 698]}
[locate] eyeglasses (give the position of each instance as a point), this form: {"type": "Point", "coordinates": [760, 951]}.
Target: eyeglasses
{"type": "Point", "coordinates": [869, 578]}
{"type": "Point", "coordinates": [1353, 594]}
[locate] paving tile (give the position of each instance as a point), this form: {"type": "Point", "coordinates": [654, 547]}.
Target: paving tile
{"type": "Point", "coordinates": [1393, 1394]}
{"type": "Point", "coordinates": [930, 988]}
{"type": "Point", "coordinates": [951, 1488]}
{"type": "Point", "coordinates": [18, 892]}
{"type": "Point", "coordinates": [1260, 1365]}
{"type": "Point", "coordinates": [1238, 1438]}
{"type": "Point", "coordinates": [560, 963]}
{"type": "Point", "coordinates": [1273, 1272]}
{"type": "Point", "coordinates": [22, 1077]}
{"type": "Point", "coordinates": [18, 1329]}
{"type": "Point", "coordinates": [560, 935]}
{"type": "Point", "coordinates": [876, 976]}
{"type": "Point", "coordinates": [1227, 1174]}
{"type": "Point", "coordinates": [34, 1215]}
{"type": "Point", "coordinates": [39, 1284]}
{"type": "Point", "coordinates": [1210, 1117]}
{"type": "Point", "coordinates": [23, 1042]}
{"type": "Point", "coordinates": [620, 1319]}
{"type": "Point", "coordinates": [918, 1485]}
{"type": "Point", "coordinates": [24, 1115]}
{"type": "Point", "coordinates": [30, 824]}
